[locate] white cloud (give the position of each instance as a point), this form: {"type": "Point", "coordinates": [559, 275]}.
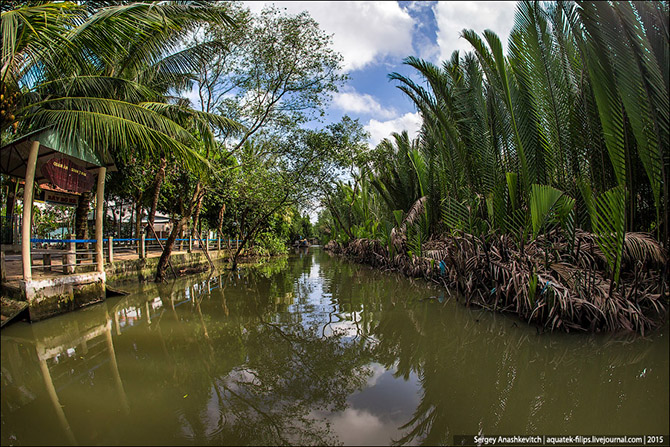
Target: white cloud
{"type": "Point", "coordinates": [411, 122]}
{"type": "Point", "coordinates": [378, 371]}
{"type": "Point", "coordinates": [453, 17]}
{"type": "Point", "coordinates": [361, 103]}
{"type": "Point", "coordinates": [193, 96]}
{"type": "Point", "coordinates": [363, 32]}
{"type": "Point", "coordinates": [418, 6]}
{"type": "Point", "coordinates": [360, 427]}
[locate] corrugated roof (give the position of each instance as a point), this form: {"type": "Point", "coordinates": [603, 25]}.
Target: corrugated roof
{"type": "Point", "coordinates": [14, 155]}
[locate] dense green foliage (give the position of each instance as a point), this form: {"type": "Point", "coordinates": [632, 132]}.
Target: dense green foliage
{"type": "Point", "coordinates": [110, 77]}
{"type": "Point", "coordinates": [569, 130]}
{"type": "Point", "coordinates": [545, 167]}
{"type": "Point", "coordinates": [560, 144]}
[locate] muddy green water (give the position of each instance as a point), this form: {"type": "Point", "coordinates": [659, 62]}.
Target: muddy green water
{"type": "Point", "coordinates": [314, 350]}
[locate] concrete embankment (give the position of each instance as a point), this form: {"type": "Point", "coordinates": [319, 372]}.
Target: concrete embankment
{"type": "Point", "coordinates": [52, 295]}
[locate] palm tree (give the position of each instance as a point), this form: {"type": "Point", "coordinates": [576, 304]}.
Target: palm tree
{"type": "Point", "coordinates": [574, 106]}
{"type": "Point", "coordinates": [103, 74]}
{"type": "Point", "coordinates": [94, 74]}
{"type": "Point", "coordinates": [396, 178]}
{"type": "Point", "coordinates": [558, 145]}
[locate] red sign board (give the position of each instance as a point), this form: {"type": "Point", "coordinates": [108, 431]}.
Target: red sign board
{"type": "Point", "coordinates": [67, 175]}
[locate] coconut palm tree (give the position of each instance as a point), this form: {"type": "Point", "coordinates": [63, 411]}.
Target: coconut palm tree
{"type": "Point", "coordinates": [96, 73]}
{"type": "Point", "coordinates": [103, 73]}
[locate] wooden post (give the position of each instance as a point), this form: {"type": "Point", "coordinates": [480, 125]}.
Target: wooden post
{"type": "Point", "coordinates": [70, 259]}
{"type": "Point", "coordinates": [218, 241]}
{"type": "Point", "coordinates": [46, 262]}
{"type": "Point", "coordinates": [28, 209]}
{"type": "Point", "coordinates": [190, 241]}
{"type": "Point", "coordinates": [110, 250]}
{"type": "Point", "coordinates": [99, 215]}
{"type": "Point", "coordinates": [3, 269]}
{"type": "Point", "coordinates": [143, 247]}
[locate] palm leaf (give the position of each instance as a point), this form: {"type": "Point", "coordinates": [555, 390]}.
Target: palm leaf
{"type": "Point", "coordinates": [543, 199]}
{"type": "Point", "coordinates": [608, 220]}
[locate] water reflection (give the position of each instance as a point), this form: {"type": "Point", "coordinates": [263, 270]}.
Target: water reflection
{"type": "Point", "coordinates": [210, 362]}
{"type": "Point", "coordinates": [483, 374]}
{"type": "Point", "coordinates": [39, 367]}
{"type": "Point", "coordinates": [312, 350]}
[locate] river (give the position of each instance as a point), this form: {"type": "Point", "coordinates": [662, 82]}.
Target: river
{"type": "Point", "coordinates": [311, 349]}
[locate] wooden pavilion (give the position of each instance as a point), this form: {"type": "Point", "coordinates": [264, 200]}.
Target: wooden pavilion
{"type": "Point", "coordinates": [46, 157]}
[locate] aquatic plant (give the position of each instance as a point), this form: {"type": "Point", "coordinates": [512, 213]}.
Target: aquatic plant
{"type": "Point", "coordinates": [538, 183]}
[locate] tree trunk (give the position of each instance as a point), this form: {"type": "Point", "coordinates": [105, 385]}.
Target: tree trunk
{"type": "Point", "coordinates": [113, 217]}
{"type": "Point", "coordinates": [220, 222]}
{"type": "Point", "coordinates": [253, 229]}
{"type": "Point", "coordinates": [121, 214]}
{"type": "Point", "coordinates": [196, 216]}
{"type": "Point", "coordinates": [161, 269]}
{"type": "Point", "coordinates": [158, 183]}
{"type": "Point", "coordinates": [169, 245]}
{"type": "Point", "coordinates": [81, 220]}
{"type": "Point", "coordinates": [181, 229]}
{"type": "Point", "coordinates": [130, 222]}
{"type": "Point", "coordinates": [237, 253]}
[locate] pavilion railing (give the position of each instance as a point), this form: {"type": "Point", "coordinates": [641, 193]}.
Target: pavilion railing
{"type": "Point", "coordinates": [80, 252]}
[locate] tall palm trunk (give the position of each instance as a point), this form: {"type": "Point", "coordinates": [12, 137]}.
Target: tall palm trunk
{"type": "Point", "coordinates": [81, 220]}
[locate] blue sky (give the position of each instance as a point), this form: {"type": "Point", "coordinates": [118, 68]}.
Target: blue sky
{"type": "Point", "coordinates": [374, 38]}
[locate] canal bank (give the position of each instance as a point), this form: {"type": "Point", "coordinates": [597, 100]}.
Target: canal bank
{"type": "Point", "coordinates": [554, 295]}
{"type": "Point", "coordinates": [52, 294]}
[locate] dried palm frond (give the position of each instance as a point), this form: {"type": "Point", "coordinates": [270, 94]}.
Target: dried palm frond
{"type": "Point", "coordinates": [492, 272]}
{"type": "Point", "coordinates": [643, 247]}
{"type": "Point", "coordinates": [399, 233]}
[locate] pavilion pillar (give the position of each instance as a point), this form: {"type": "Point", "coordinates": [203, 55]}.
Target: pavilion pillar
{"type": "Point", "coordinates": [28, 210]}
{"type": "Point", "coordinates": [99, 218]}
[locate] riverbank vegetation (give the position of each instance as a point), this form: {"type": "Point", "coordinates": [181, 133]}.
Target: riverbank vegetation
{"type": "Point", "coordinates": [115, 79]}
{"type": "Point", "coordinates": [538, 183]}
